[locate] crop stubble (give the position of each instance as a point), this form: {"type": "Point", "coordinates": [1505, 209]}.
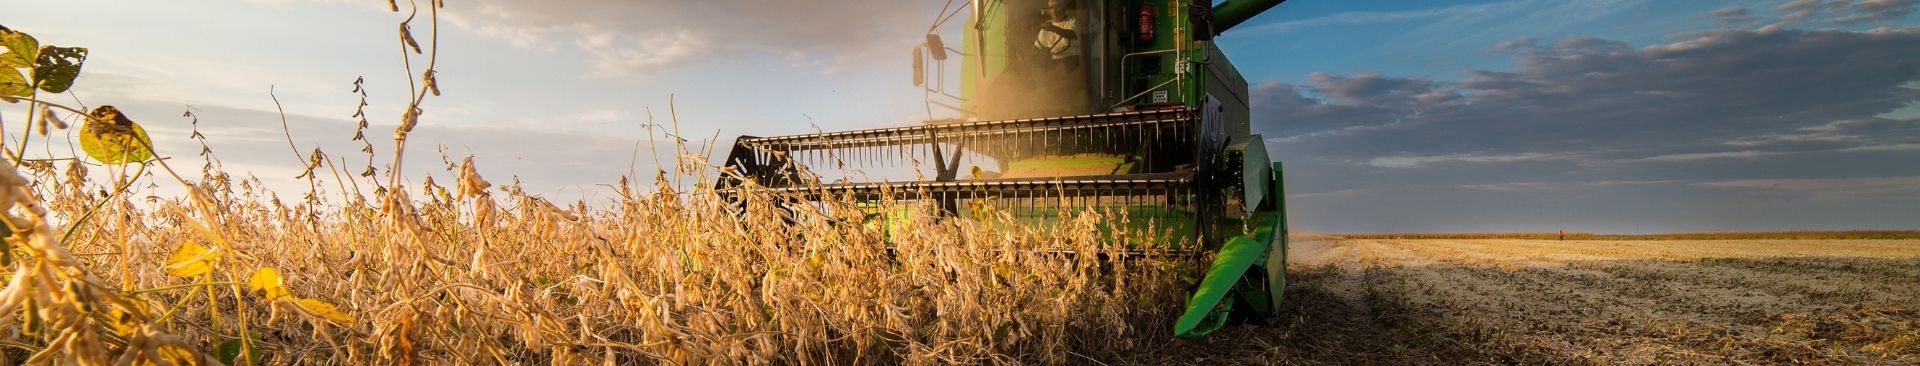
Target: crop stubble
{"type": "Point", "coordinates": [1488, 301]}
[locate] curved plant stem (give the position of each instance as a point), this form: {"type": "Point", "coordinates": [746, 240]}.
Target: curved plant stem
{"type": "Point", "coordinates": [177, 287]}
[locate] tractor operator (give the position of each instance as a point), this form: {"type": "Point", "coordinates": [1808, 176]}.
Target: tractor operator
{"type": "Point", "coordinates": [1061, 81]}
{"type": "Point", "coordinates": [1060, 36]}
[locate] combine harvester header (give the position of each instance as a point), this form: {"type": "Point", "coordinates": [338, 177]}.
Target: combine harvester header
{"type": "Point", "coordinates": [1069, 105]}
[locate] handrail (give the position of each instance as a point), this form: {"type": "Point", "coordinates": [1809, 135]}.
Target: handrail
{"type": "Point", "coordinates": [1123, 83]}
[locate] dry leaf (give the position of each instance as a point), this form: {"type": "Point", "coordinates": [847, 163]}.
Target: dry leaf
{"type": "Point", "coordinates": [323, 310]}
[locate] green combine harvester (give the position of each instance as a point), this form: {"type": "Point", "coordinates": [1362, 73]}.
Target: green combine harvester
{"type": "Point", "coordinates": [1068, 105]}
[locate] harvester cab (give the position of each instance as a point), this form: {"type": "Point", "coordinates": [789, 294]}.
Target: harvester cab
{"type": "Point", "coordinates": [1063, 105]}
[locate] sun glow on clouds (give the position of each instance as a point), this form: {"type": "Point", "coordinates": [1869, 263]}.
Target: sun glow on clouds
{"type": "Point", "coordinates": [629, 39]}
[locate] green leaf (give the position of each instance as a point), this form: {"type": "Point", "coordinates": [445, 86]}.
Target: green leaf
{"type": "Point", "coordinates": [12, 84]}
{"type": "Point", "coordinates": [111, 138]}
{"type": "Point", "coordinates": [56, 68]}
{"type": "Point", "coordinates": [22, 49]}
{"type": "Point", "coordinates": [8, 61]}
{"type": "Point", "coordinates": [6, 250]}
{"type": "Point", "coordinates": [229, 352]}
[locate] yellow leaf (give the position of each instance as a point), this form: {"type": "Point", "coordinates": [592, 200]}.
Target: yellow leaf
{"type": "Point", "coordinates": [125, 320]}
{"type": "Point", "coordinates": [267, 283]}
{"type": "Point", "coordinates": [178, 355]}
{"type": "Point", "coordinates": [322, 309]}
{"type": "Point", "coordinates": [190, 260]}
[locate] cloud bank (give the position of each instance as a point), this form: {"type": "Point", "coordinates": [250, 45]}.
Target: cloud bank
{"type": "Point", "coordinates": [1712, 113]}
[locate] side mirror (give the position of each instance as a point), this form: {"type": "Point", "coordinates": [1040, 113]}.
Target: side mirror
{"type": "Point", "coordinates": [936, 46]}
{"type": "Point", "coordinates": [919, 68]}
{"type": "Point", "coordinates": [1202, 17]}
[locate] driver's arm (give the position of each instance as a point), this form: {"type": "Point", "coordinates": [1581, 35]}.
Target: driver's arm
{"type": "Point", "coordinates": [1063, 32]}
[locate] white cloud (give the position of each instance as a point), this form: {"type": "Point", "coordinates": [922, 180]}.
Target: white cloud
{"type": "Point", "coordinates": [1327, 194]}
{"type": "Point", "coordinates": [600, 115]}
{"type": "Point", "coordinates": [1731, 14]}
{"type": "Point", "coordinates": [1409, 161]}
{"type": "Point", "coordinates": [616, 55]}
{"type": "Point", "coordinates": [539, 38]}
{"type": "Point", "coordinates": [1610, 183]}
{"type": "Point", "coordinates": [1844, 11]}
{"type": "Point", "coordinates": [1870, 134]}
{"type": "Point", "coordinates": [1368, 17]}
{"type": "Point", "coordinates": [1510, 186]}
{"type": "Point", "coordinates": [1831, 189]}
{"type": "Point", "coordinates": [1541, 186]}
{"type": "Point", "coordinates": [1748, 154]}
{"type": "Point", "coordinates": [1881, 148]}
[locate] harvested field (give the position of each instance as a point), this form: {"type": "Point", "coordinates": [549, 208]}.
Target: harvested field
{"type": "Point", "coordinates": [1735, 235]}
{"type": "Point", "coordinates": [1587, 302]}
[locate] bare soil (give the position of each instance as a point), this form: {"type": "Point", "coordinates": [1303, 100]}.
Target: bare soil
{"type": "Point", "coordinates": [1584, 302]}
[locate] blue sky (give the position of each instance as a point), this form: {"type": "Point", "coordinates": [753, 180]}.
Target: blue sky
{"type": "Point", "coordinates": [1439, 38]}
{"type": "Point", "coordinates": [1601, 115]}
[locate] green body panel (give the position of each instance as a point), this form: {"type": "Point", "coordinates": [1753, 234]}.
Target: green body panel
{"type": "Point", "coordinates": [1277, 260]}
{"type": "Point", "coordinates": [1177, 67]}
{"type": "Point", "coordinates": [1054, 166]}
{"type": "Point", "coordinates": [1128, 70]}
{"type": "Point", "coordinates": [1168, 225]}
{"type": "Point", "coordinates": [1173, 43]}
{"type": "Point", "coordinates": [1103, 161]}
{"type": "Point", "coordinates": [1232, 272]}
{"type": "Point", "coordinates": [981, 64]}
{"type": "Point", "coordinates": [1206, 312]}
{"type": "Point", "coordinates": [1208, 309]}
{"type": "Point", "coordinates": [1124, 70]}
